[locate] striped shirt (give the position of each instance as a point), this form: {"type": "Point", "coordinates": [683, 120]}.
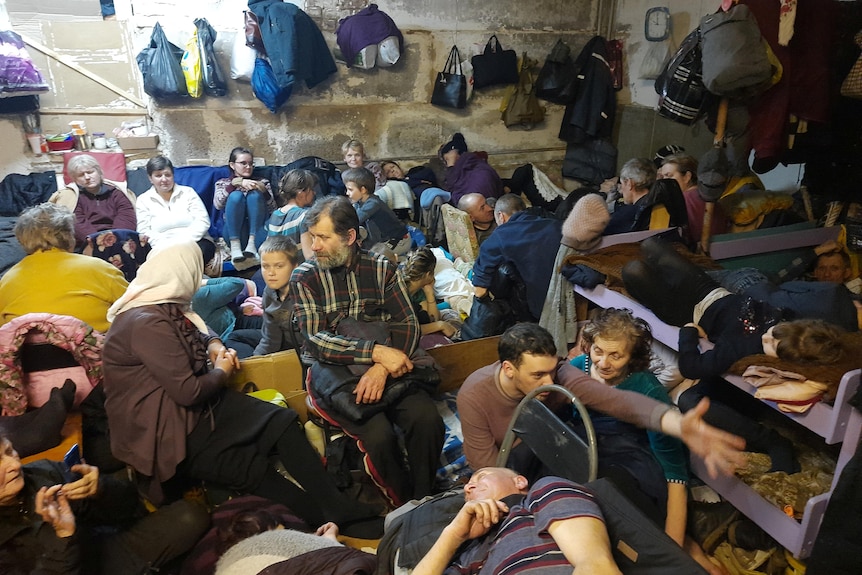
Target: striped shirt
{"type": "Point", "coordinates": [372, 289]}
{"type": "Point", "coordinates": [522, 543]}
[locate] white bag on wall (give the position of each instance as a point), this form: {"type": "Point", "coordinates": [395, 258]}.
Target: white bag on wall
{"type": "Point", "coordinates": [241, 58]}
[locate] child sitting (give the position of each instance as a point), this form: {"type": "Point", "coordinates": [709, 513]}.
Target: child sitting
{"type": "Point", "coordinates": [278, 257]}
{"type": "Point", "coordinates": [378, 219]}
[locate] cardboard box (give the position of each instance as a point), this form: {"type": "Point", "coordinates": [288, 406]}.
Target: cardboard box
{"type": "Point", "coordinates": [139, 143]}
{"type": "Point", "coordinates": [281, 371]}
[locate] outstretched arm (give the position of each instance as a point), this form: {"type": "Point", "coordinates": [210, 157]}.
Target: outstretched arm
{"type": "Point", "coordinates": [720, 450]}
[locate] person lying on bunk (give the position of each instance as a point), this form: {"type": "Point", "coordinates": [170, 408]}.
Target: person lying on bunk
{"type": "Point", "coordinates": [826, 263]}
{"type": "Point", "coordinates": [680, 293]}
{"type": "Point", "coordinates": [528, 359]}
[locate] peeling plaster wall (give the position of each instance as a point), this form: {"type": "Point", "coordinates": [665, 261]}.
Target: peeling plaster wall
{"type": "Point", "coordinates": [387, 109]}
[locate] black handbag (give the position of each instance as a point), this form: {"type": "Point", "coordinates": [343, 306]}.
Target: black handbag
{"type": "Point", "coordinates": [214, 82]}
{"type": "Point", "coordinates": [557, 80]}
{"type": "Point", "coordinates": [494, 66]}
{"type": "Point", "coordinates": [450, 87]}
{"type": "Point", "coordinates": [683, 97]}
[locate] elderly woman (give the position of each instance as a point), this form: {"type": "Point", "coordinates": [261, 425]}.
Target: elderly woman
{"type": "Point", "coordinates": [44, 511]}
{"type": "Point", "coordinates": [245, 202]}
{"type": "Point", "coordinates": [169, 212]}
{"type": "Point", "coordinates": [468, 172]}
{"type": "Point", "coordinates": [617, 349]}
{"type": "Point", "coordinates": [50, 278]}
{"type": "Point", "coordinates": [172, 417]}
{"type": "Point", "coordinates": [296, 194]}
{"type": "Point", "coordinates": [98, 204]}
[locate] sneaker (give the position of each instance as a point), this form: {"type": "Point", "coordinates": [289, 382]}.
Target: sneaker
{"type": "Point", "coordinates": [708, 522]}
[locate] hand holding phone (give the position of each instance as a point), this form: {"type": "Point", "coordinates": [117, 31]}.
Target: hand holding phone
{"type": "Point", "coordinates": [81, 480]}
{"type": "Point", "coordinates": [72, 458]}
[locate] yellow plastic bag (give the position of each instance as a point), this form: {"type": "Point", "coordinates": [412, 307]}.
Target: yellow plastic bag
{"type": "Point", "coordinates": [191, 64]}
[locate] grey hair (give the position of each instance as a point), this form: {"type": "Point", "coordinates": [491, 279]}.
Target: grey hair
{"type": "Point", "coordinates": [640, 171]}
{"type": "Point", "coordinates": [82, 162]}
{"type": "Point", "coordinates": [44, 227]}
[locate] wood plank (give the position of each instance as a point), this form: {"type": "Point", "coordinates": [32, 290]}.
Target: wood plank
{"type": "Point", "coordinates": [459, 360]}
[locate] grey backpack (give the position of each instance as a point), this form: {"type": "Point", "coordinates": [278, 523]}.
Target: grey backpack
{"type": "Point", "coordinates": [735, 58]}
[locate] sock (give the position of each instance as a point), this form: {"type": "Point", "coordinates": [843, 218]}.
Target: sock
{"type": "Point", "coordinates": [236, 250]}
{"type": "Point", "coordinates": [41, 428]}
{"type": "Point", "coordinates": [251, 248]}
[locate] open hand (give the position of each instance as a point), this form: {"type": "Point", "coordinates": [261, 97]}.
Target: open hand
{"type": "Point", "coordinates": [720, 450]}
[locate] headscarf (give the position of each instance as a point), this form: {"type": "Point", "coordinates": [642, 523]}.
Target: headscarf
{"type": "Point", "coordinates": [171, 274]}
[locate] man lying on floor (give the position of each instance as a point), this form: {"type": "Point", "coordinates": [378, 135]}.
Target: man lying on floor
{"type": "Point", "coordinates": [549, 528]}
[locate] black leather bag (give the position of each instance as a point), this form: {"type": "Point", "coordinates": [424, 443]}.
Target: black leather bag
{"type": "Point", "coordinates": [450, 87]}
{"type": "Point", "coordinates": [557, 80]}
{"type": "Point", "coordinates": [494, 66]}
{"type": "Point", "coordinates": [333, 387]}
{"type": "Point", "coordinates": [487, 317]}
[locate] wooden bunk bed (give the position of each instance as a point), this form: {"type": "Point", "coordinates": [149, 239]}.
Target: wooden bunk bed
{"type": "Point", "coordinates": [837, 423]}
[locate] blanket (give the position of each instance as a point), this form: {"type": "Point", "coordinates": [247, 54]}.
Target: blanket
{"type": "Point", "coordinates": [610, 261]}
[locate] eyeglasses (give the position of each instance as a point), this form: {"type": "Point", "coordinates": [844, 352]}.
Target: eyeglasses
{"type": "Point", "coordinates": [246, 164]}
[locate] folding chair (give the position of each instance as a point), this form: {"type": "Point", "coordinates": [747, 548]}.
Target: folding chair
{"type": "Point", "coordinates": [639, 546]}
{"type": "Point", "coordinates": [556, 445]}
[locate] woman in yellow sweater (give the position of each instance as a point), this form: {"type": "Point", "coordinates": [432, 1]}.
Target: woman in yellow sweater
{"type": "Point", "coordinates": [50, 278]}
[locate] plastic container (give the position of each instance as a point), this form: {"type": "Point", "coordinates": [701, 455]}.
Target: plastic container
{"type": "Point", "coordinates": [99, 141]}
{"type": "Point", "coordinates": [35, 141]}
{"type": "Point", "coordinates": [61, 143]}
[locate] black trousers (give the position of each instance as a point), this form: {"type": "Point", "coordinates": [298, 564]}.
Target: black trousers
{"type": "Point", "coordinates": [666, 282]}
{"type": "Point", "coordinates": [151, 542]}
{"type": "Point", "coordinates": [417, 417]}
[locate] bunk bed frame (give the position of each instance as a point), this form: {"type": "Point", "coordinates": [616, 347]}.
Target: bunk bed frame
{"type": "Point", "coordinates": [838, 423]}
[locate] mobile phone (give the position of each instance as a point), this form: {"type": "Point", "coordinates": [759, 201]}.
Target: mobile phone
{"type": "Point", "coordinates": [72, 457]}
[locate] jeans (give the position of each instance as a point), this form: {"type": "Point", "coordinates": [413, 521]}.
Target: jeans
{"type": "Point", "coordinates": [244, 214]}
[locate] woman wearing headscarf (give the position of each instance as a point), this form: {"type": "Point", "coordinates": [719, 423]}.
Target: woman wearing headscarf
{"type": "Point", "coordinates": [172, 417]}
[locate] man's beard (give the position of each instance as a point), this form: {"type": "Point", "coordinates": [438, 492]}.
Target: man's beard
{"type": "Point", "coordinates": [334, 260]}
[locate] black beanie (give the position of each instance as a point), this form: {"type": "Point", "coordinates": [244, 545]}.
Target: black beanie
{"type": "Point", "coordinates": [456, 143]}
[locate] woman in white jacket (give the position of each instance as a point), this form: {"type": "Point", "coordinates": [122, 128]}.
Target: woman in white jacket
{"type": "Point", "coordinates": [169, 212]}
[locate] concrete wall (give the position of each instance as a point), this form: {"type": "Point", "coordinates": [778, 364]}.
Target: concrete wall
{"type": "Point", "coordinates": [388, 109]}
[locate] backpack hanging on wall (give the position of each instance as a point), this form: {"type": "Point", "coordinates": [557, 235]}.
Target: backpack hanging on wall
{"type": "Point", "coordinates": [680, 84]}
{"type": "Point", "coordinates": [557, 81]}
{"type": "Point", "coordinates": [520, 106]}
{"type": "Point", "coordinates": [735, 58]}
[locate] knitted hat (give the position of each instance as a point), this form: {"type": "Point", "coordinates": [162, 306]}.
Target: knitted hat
{"type": "Point", "coordinates": [584, 225]}
{"type": "Point", "coordinates": [456, 143]}
{"type": "Point", "coordinates": [665, 151]}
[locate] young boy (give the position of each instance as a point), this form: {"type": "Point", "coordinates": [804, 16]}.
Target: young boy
{"type": "Point", "coordinates": [380, 221]}
{"type": "Point", "coordinates": [278, 257]}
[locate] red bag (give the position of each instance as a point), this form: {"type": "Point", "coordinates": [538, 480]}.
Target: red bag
{"type": "Point", "coordinates": [253, 39]}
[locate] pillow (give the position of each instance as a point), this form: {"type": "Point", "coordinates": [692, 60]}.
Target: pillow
{"type": "Point", "coordinates": [40, 383]}
{"type": "Point", "coordinates": [113, 165]}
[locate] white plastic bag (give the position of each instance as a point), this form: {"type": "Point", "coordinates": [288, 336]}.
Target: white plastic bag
{"type": "Point", "coordinates": [241, 58]}
{"type": "Point", "coordinates": [388, 52]}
